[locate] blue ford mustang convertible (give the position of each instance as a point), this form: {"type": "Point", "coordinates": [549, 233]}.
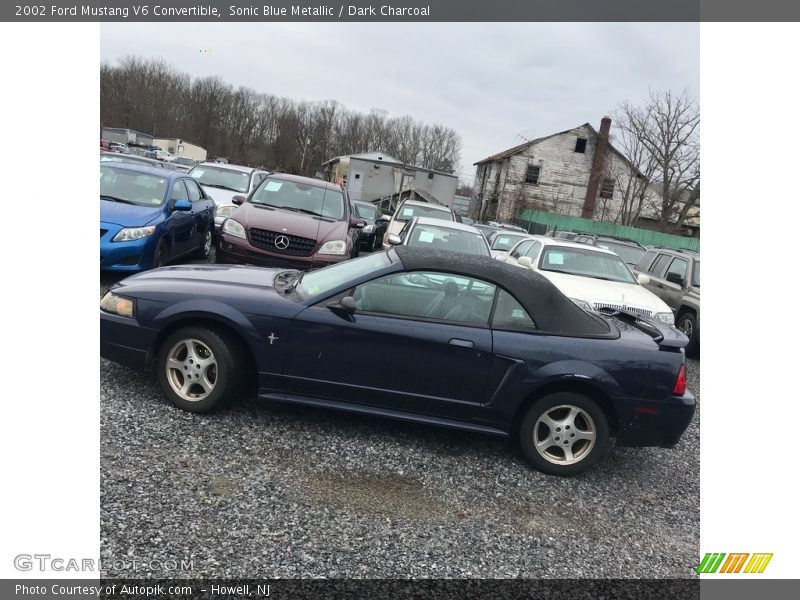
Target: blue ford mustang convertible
{"type": "Point", "coordinates": [423, 335]}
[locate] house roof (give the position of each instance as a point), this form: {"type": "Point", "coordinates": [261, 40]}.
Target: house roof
{"type": "Point", "coordinates": [381, 156]}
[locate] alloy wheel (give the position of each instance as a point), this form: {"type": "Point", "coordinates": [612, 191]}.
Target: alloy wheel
{"type": "Point", "coordinates": [191, 370]}
{"type": "Point", "coordinates": [685, 325]}
{"type": "Point", "coordinates": [207, 243]}
{"type": "Point", "coordinates": [564, 435]}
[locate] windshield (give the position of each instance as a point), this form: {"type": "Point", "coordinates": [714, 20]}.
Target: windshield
{"type": "Point", "coordinates": [227, 179]}
{"type": "Point", "coordinates": [505, 241]}
{"type": "Point", "coordinates": [325, 280]}
{"type": "Point", "coordinates": [696, 274]}
{"type": "Point", "coordinates": [407, 211]}
{"type": "Point", "coordinates": [585, 263]}
{"type": "Point", "coordinates": [301, 197]}
{"type": "Point", "coordinates": [630, 254]}
{"type": "Point", "coordinates": [446, 238]}
{"type": "Point", "coordinates": [119, 185]}
{"type": "Point", "coordinates": [367, 211]}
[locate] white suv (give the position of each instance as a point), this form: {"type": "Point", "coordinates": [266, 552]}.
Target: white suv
{"type": "Point", "coordinates": [414, 208]}
{"type": "Point", "coordinates": [593, 278]}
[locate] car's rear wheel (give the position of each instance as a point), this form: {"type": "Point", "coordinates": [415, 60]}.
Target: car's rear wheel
{"type": "Point", "coordinates": [687, 323]}
{"type": "Point", "coordinates": [198, 369]}
{"type": "Point", "coordinates": [205, 250]}
{"type": "Point", "coordinates": [564, 434]}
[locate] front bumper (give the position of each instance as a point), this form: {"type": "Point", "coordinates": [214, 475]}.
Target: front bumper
{"type": "Point", "coordinates": [124, 341]}
{"type": "Point", "coordinates": [233, 250]}
{"type": "Point", "coordinates": [651, 423]}
{"type": "Point", "coordinates": [131, 256]}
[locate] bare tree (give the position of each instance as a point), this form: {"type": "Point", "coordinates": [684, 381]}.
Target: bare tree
{"type": "Point", "coordinates": [662, 139]}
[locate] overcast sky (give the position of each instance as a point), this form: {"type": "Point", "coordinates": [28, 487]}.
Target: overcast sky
{"type": "Point", "coordinates": [489, 82]}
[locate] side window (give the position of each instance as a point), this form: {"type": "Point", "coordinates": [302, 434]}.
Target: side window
{"type": "Point", "coordinates": [521, 248]}
{"type": "Point", "coordinates": [660, 265]}
{"type": "Point", "coordinates": [533, 251]}
{"type": "Point", "coordinates": [678, 267]}
{"type": "Point", "coordinates": [509, 313]}
{"type": "Point", "coordinates": [179, 191]}
{"type": "Point", "coordinates": [195, 195]}
{"type": "Point", "coordinates": [428, 295]}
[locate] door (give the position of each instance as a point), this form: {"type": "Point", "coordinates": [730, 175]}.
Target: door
{"type": "Point", "coordinates": [180, 224]}
{"type": "Point", "coordinates": [673, 290]}
{"type": "Point", "coordinates": [355, 184]}
{"type": "Point", "coordinates": [202, 211]}
{"type": "Point", "coordinates": [418, 342]}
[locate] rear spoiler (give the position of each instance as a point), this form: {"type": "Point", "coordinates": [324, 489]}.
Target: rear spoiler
{"type": "Point", "coordinates": [664, 335]}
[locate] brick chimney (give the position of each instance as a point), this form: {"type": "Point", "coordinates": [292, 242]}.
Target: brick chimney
{"type": "Point", "coordinates": [598, 169]}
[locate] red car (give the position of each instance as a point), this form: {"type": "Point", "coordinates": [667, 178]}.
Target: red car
{"type": "Point", "coordinates": [293, 222]}
{"type": "Point", "coordinates": [104, 146]}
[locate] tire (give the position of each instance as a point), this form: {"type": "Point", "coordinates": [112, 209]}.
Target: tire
{"type": "Point", "coordinates": [587, 421]}
{"type": "Point", "coordinates": [205, 250]}
{"type": "Point", "coordinates": [687, 323]}
{"type": "Point", "coordinates": [161, 255]}
{"type": "Point", "coordinates": [216, 375]}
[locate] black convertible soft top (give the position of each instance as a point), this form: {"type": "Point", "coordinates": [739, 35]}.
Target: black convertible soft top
{"type": "Point", "coordinates": [552, 311]}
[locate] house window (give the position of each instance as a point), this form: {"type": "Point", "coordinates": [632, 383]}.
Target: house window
{"type": "Point", "coordinates": [607, 189]}
{"type": "Point", "coordinates": [532, 175]}
{"type": "Point", "coordinates": [580, 145]}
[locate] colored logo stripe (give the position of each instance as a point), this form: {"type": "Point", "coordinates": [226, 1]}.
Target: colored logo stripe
{"type": "Point", "coordinates": [734, 563]}
{"type": "Point", "coordinates": [758, 563]}
{"type": "Point", "coordinates": [712, 562]}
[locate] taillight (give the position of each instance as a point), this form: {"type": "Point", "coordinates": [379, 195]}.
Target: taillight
{"type": "Point", "coordinates": [679, 389]}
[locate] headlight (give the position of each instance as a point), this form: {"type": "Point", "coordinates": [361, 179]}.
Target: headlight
{"type": "Point", "coordinates": [130, 234]}
{"type": "Point", "coordinates": [583, 304]}
{"type": "Point", "coordinates": [665, 317]}
{"type": "Point", "coordinates": [337, 247]}
{"type": "Point", "coordinates": [368, 228]}
{"type": "Point", "coordinates": [234, 228]}
{"type": "Point", "coordinates": [225, 211]}
{"type": "Point", "coordinates": [118, 305]}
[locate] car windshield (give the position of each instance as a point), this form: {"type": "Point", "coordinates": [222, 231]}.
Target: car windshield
{"type": "Point", "coordinates": [696, 274]}
{"type": "Point", "coordinates": [322, 281]}
{"type": "Point", "coordinates": [630, 254]}
{"type": "Point", "coordinates": [226, 179]}
{"type": "Point", "coordinates": [130, 187]}
{"type": "Point", "coordinates": [585, 263]}
{"type": "Point", "coordinates": [447, 238]}
{"type": "Point", "coordinates": [300, 197]}
{"type": "Point", "coordinates": [505, 241]}
{"type": "Point", "coordinates": [406, 211]}
{"type": "Point", "coordinates": [367, 211]}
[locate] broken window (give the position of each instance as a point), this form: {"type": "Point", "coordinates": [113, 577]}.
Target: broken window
{"type": "Point", "coordinates": [580, 145]}
{"type": "Point", "coordinates": [532, 175]}
{"type": "Point", "coordinates": [607, 189]}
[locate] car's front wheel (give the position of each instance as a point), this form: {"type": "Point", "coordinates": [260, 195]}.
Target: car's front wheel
{"type": "Point", "coordinates": [198, 369]}
{"type": "Point", "coordinates": [564, 434]}
{"type": "Point", "coordinates": [205, 250]}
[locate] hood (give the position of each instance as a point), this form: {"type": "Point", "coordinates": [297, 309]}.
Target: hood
{"type": "Point", "coordinates": [290, 223]}
{"type": "Point", "coordinates": [254, 277]}
{"type": "Point", "coordinates": [128, 215]}
{"type": "Point", "coordinates": [594, 291]}
{"type": "Point", "coordinates": [221, 197]}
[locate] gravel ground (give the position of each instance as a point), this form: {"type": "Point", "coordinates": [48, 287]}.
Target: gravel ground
{"type": "Point", "coordinates": [274, 491]}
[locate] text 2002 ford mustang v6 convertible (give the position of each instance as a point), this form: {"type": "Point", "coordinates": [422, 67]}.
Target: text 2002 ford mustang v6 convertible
{"type": "Point", "coordinates": [424, 335]}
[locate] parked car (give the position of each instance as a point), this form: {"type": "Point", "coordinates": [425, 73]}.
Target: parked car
{"type": "Point", "coordinates": [184, 164]}
{"type": "Point", "coordinates": [371, 237]}
{"type": "Point", "coordinates": [222, 182]}
{"type": "Point", "coordinates": [502, 240]}
{"type": "Point", "coordinates": [510, 226]}
{"type": "Point", "coordinates": [485, 230]}
{"type": "Point", "coordinates": [290, 221]}
{"type": "Point", "coordinates": [415, 208]}
{"type": "Point", "coordinates": [424, 232]}
{"type": "Point", "coordinates": [594, 278]}
{"type": "Point", "coordinates": [675, 278]}
{"type": "Point", "coordinates": [104, 146]}
{"type": "Point", "coordinates": [118, 147]}
{"type": "Point", "coordinates": [474, 344]}
{"type": "Point", "coordinates": [132, 159]}
{"type": "Point", "coordinates": [628, 250]}
{"type": "Point", "coordinates": [561, 234]}
{"type": "Point", "coordinates": [149, 217]}
{"type": "Point", "coordinates": [467, 221]}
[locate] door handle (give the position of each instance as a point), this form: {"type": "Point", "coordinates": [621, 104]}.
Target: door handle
{"type": "Point", "coordinates": [462, 343]}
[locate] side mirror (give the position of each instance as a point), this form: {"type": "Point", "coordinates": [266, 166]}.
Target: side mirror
{"type": "Point", "coordinates": [393, 239]}
{"type": "Point", "coordinates": [675, 278]}
{"type": "Point", "coordinates": [525, 261]}
{"type": "Point", "coordinates": [182, 205]}
{"type": "Point", "coordinates": [358, 223]}
{"type": "Point", "coordinates": [345, 308]}
{"type": "Point", "coordinates": [642, 279]}
{"type": "Point", "coordinates": [238, 199]}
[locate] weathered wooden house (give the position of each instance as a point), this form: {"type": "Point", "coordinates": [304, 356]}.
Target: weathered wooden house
{"type": "Point", "coordinates": [575, 172]}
